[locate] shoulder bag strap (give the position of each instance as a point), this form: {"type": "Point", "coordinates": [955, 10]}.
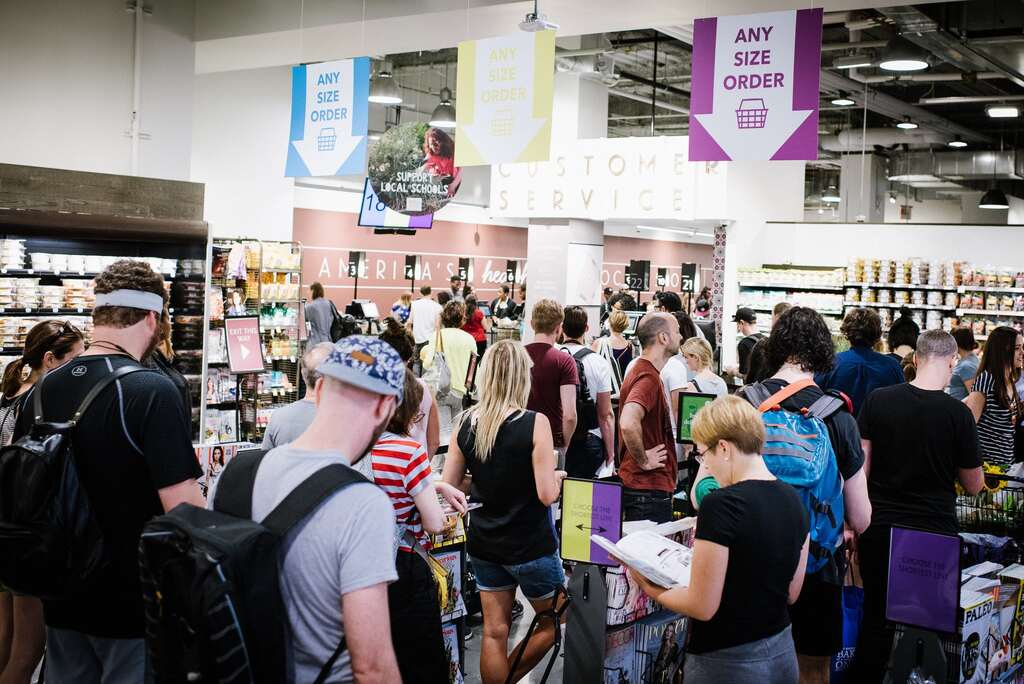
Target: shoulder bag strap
{"type": "Point", "coordinates": [439, 347]}
{"type": "Point", "coordinates": [235, 484]}
{"type": "Point", "coordinates": [305, 498]}
{"type": "Point", "coordinates": [582, 353]}
{"type": "Point", "coordinates": [37, 399]}
{"type": "Point", "coordinates": [325, 671]}
{"type": "Point", "coordinates": [786, 392]}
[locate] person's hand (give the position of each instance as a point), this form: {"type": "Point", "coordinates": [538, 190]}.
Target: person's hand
{"type": "Point", "coordinates": [559, 476]}
{"type": "Point", "coordinates": [655, 458]}
{"type": "Point", "coordinates": [732, 370]}
{"type": "Point", "coordinates": [453, 496]}
{"type": "Point", "coordinates": [852, 552]}
{"type": "Point", "coordinates": [652, 590]}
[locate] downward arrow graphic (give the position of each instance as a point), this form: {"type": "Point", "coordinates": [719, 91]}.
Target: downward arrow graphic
{"type": "Point", "coordinates": [325, 163]}
{"type": "Point", "coordinates": [751, 143]}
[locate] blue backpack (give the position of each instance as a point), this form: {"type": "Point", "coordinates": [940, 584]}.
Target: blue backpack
{"type": "Point", "coordinates": [798, 451]}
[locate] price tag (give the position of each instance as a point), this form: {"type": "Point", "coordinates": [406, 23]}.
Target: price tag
{"type": "Point", "coordinates": [80, 309]}
{"type": "Point", "coordinates": [31, 271]}
{"type": "Point", "coordinates": [56, 309]}
{"type": "Point", "coordinates": [3, 309]}
{"type": "Point", "coordinates": [293, 359]}
{"type": "Point", "coordinates": [56, 272]}
{"type": "Point", "coordinates": [3, 270]}
{"type": "Point", "coordinates": [28, 309]}
{"type": "Point", "coordinates": [82, 273]}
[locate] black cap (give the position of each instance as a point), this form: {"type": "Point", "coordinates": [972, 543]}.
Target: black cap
{"type": "Point", "coordinates": [746, 315]}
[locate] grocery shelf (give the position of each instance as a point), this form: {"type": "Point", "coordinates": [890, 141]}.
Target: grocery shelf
{"type": "Point", "coordinates": [1006, 290]}
{"type": "Point", "coordinates": [986, 312]}
{"type": "Point", "coordinates": [34, 273]}
{"type": "Point", "coordinates": [904, 286]}
{"type": "Point", "coordinates": [793, 286]}
{"type": "Point", "coordinates": [44, 311]}
{"type": "Point", "coordinates": [877, 305]}
{"type": "Point", "coordinates": [766, 308]}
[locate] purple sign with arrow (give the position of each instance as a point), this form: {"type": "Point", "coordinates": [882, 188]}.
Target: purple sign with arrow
{"type": "Point", "coordinates": [754, 93]}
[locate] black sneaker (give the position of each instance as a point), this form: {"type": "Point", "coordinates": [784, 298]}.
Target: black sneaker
{"type": "Point", "coordinates": [517, 610]}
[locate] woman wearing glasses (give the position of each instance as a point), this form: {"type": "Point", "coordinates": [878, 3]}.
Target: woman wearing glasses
{"type": "Point", "coordinates": [48, 345]}
{"type": "Point", "coordinates": [749, 557]}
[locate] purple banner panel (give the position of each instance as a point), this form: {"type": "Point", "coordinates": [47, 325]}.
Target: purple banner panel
{"type": "Point", "coordinates": [924, 579]}
{"type": "Point", "coordinates": [606, 519]}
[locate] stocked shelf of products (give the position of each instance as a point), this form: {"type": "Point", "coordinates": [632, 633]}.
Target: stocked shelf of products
{"type": "Point", "coordinates": [261, 279]}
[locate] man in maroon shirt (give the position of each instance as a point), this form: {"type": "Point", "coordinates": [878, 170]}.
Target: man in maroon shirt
{"type": "Point", "coordinates": [553, 376]}
{"type": "Point", "coordinates": [648, 457]}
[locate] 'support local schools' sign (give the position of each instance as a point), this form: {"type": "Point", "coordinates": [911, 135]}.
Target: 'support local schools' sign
{"type": "Point", "coordinates": [625, 178]}
{"type": "Point", "coordinates": [754, 93]}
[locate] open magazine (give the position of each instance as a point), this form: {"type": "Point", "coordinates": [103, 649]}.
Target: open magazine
{"type": "Point", "coordinates": [656, 557]}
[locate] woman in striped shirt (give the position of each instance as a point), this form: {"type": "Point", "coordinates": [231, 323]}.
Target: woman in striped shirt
{"type": "Point", "coordinates": [993, 399]}
{"type": "Point", "coordinates": [402, 469]}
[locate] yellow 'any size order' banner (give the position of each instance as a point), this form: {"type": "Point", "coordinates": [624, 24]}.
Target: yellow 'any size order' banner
{"type": "Point", "coordinates": [505, 90]}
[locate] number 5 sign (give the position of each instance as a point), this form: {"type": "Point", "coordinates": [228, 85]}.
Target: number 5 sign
{"type": "Point", "coordinates": [755, 84]}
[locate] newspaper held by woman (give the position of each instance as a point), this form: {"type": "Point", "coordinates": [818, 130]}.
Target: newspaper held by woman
{"type": "Point", "coordinates": [656, 557]}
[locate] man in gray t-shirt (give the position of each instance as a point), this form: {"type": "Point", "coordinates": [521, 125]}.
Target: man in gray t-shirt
{"type": "Point", "coordinates": [288, 422]}
{"type": "Point", "coordinates": [336, 564]}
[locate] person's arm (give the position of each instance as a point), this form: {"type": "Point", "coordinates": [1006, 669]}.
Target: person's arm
{"type": "Point", "coordinates": [408, 321]}
{"type": "Point", "coordinates": [631, 430]}
{"type": "Point", "coordinates": [368, 635]}
{"type": "Point", "coordinates": [547, 479]}
{"type": "Point", "coordinates": [702, 472]}
{"type": "Point", "coordinates": [433, 428]}
{"type": "Point", "coordinates": [971, 479]}
{"type": "Point", "coordinates": [431, 514]}
{"type": "Point", "coordinates": [187, 491]}
{"type": "Point", "coordinates": [454, 462]}
{"type": "Point", "coordinates": [865, 446]}
{"type": "Point", "coordinates": [568, 395]}
{"type": "Point", "coordinates": [606, 421]}
{"type": "Point", "coordinates": [968, 462]}
{"type": "Point", "coordinates": [703, 597]}
{"type": "Point", "coordinates": [797, 583]}
{"type": "Point", "coordinates": [976, 403]}
{"type": "Point", "coordinates": [856, 502]}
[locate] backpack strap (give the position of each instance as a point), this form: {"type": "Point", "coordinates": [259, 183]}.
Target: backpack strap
{"type": "Point", "coordinates": [308, 496]}
{"type": "Point", "coordinates": [827, 406]}
{"type": "Point", "coordinates": [37, 399]}
{"type": "Point", "coordinates": [775, 400]}
{"type": "Point", "coordinates": [236, 483]}
{"type": "Point", "coordinates": [583, 353]}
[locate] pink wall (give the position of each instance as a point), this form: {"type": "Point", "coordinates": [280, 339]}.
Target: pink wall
{"type": "Point", "coordinates": [327, 237]}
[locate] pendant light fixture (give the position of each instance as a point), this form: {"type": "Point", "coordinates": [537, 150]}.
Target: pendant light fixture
{"type": "Point", "coordinates": [843, 100]}
{"type": "Point", "coordinates": [957, 142]}
{"type": "Point", "coordinates": [384, 89]}
{"type": "Point", "coordinates": [994, 198]}
{"type": "Point", "coordinates": [444, 112]}
{"type": "Point", "coordinates": [831, 194]}
{"type": "Point", "coordinates": [902, 55]}
{"type": "Point", "coordinates": [906, 124]}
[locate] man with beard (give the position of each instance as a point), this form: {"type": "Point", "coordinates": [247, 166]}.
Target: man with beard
{"type": "Point", "coordinates": [135, 460]}
{"type": "Point", "coordinates": [338, 563]}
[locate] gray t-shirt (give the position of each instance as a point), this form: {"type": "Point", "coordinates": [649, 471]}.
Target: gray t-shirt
{"type": "Point", "coordinates": [319, 316]}
{"type": "Point", "coordinates": [964, 371]}
{"type": "Point", "coordinates": [345, 545]}
{"type": "Point", "coordinates": [711, 385]}
{"type": "Point", "coordinates": [288, 422]}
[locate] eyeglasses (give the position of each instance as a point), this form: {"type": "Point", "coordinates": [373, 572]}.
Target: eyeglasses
{"type": "Point", "coordinates": [699, 457]}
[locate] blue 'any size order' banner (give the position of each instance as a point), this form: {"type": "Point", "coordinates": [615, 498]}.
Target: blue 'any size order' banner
{"type": "Point", "coordinates": [329, 118]}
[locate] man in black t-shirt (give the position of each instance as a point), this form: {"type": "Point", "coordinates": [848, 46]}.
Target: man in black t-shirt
{"type": "Point", "coordinates": [920, 442]}
{"type": "Point", "coordinates": [746, 328]}
{"type": "Point", "coordinates": [800, 346]}
{"type": "Point", "coordinates": [135, 460]}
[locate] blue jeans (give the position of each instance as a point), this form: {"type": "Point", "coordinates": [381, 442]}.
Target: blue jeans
{"type": "Point", "coordinates": [645, 504]}
{"type": "Point", "coordinates": [83, 659]}
{"type": "Point", "coordinates": [539, 579]}
{"type": "Point", "coordinates": [765, 661]}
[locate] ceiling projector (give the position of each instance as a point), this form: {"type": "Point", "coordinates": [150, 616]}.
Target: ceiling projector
{"type": "Point", "coordinates": [537, 22]}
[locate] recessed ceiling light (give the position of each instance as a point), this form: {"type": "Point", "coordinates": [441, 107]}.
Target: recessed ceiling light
{"type": "Point", "coordinates": [902, 55]}
{"type": "Point", "coordinates": [957, 142]}
{"type": "Point", "coordinates": [852, 62]}
{"type": "Point", "coordinates": [842, 100]}
{"type": "Point", "coordinates": [906, 124]}
{"type": "Point", "coordinates": [1002, 111]}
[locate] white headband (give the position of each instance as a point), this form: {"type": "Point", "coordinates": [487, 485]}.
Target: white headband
{"type": "Point", "coordinates": [133, 299]}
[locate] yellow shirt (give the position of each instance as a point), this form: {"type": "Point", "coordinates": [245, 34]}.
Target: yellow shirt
{"type": "Point", "coordinates": [458, 347]}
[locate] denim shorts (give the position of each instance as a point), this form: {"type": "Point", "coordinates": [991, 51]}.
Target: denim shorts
{"type": "Point", "coordinates": [539, 579]}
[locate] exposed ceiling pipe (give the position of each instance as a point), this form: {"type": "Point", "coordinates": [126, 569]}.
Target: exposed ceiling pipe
{"type": "Point", "coordinates": [932, 78]}
{"type": "Point", "coordinates": [850, 140]}
{"type": "Point", "coordinates": [897, 109]}
{"type": "Point", "coordinates": [584, 52]}
{"type": "Point", "coordinates": [996, 40]}
{"type": "Point", "coordinates": [647, 100]}
{"type": "Point", "coordinates": [859, 45]}
{"type": "Point", "coordinates": [963, 99]}
{"type": "Point", "coordinates": [836, 18]}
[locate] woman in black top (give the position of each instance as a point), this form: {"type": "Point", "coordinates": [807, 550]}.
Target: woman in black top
{"type": "Point", "coordinates": [511, 542]}
{"type": "Point", "coordinates": [749, 558]}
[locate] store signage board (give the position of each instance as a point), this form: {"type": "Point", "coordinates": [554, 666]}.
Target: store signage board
{"type": "Point", "coordinates": [590, 507]}
{"type": "Point", "coordinates": [621, 178]}
{"type": "Point", "coordinates": [754, 94]}
{"type": "Point", "coordinates": [506, 90]}
{"type": "Point", "coordinates": [375, 214]}
{"type": "Point", "coordinates": [329, 118]}
{"type": "Point", "coordinates": [245, 350]}
{"type": "Point", "coordinates": [924, 579]}
{"type": "Point", "coordinates": [412, 169]}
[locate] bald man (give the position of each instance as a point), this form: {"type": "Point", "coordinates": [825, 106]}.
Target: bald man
{"type": "Point", "coordinates": [288, 422]}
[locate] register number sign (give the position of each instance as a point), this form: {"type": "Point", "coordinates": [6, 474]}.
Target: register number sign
{"type": "Point", "coordinates": [755, 83]}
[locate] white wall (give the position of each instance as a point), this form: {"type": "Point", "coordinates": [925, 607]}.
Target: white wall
{"type": "Point", "coordinates": [239, 147]}
{"type": "Point", "coordinates": [66, 85]}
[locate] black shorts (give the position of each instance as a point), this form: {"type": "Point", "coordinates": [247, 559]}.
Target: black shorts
{"type": "Point", "coordinates": [818, 618]}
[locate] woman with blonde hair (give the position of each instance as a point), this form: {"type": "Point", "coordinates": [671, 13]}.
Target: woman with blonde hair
{"type": "Point", "coordinates": [697, 353]}
{"type": "Point", "coordinates": [749, 557]}
{"type": "Point", "coordinates": [509, 452]}
{"type": "Point", "coordinates": [615, 348]}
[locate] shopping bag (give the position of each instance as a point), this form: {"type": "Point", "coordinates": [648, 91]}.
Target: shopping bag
{"type": "Point", "coordinates": [853, 610]}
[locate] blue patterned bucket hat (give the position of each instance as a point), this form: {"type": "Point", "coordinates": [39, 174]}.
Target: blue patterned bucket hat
{"type": "Point", "coordinates": [368, 363]}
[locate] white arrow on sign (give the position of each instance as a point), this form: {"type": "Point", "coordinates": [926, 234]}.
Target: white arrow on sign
{"type": "Point", "coordinates": [780, 121]}
{"type": "Point", "coordinates": [244, 351]}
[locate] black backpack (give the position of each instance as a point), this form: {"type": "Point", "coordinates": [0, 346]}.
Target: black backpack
{"type": "Point", "coordinates": [213, 604]}
{"type": "Point", "coordinates": [51, 546]}
{"type": "Point", "coordinates": [337, 324]}
{"type": "Point", "coordinates": [586, 403]}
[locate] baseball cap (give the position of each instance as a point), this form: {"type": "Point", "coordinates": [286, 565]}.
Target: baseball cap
{"type": "Point", "coordinates": [367, 363]}
{"type": "Point", "coordinates": [746, 315]}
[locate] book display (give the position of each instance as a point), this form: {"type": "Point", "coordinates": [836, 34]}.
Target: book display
{"type": "Point", "coordinates": [261, 281]}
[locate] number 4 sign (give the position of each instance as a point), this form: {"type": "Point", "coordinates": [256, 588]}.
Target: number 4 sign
{"type": "Point", "coordinates": [754, 93]}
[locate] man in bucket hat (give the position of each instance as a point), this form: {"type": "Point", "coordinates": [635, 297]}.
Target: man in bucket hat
{"type": "Point", "coordinates": [337, 564]}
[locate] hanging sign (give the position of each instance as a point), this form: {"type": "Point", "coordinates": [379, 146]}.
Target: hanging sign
{"type": "Point", "coordinates": [754, 93]}
{"type": "Point", "coordinates": [590, 507]}
{"type": "Point", "coordinates": [412, 169]}
{"type": "Point", "coordinates": [329, 116]}
{"type": "Point", "coordinates": [505, 92]}
{"type": "Point", "coordinates": [245, 351]}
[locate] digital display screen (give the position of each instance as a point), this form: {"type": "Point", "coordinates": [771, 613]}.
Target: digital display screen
{"type": "Point", "coordinates": [375, 214]}
{"type": "Point", "coordinates": [689, 404]}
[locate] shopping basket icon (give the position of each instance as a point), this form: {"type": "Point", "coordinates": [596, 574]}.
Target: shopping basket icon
{"type": "Point", "coordinates": [325, 141]}
{"type": "Point", "coordinates": [751, 113]}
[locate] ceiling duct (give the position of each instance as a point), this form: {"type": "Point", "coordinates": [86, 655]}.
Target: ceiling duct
{"type": "Point", "coordinates": [851, 139]}
{"type": "Point", "coordinates": [950, 170]}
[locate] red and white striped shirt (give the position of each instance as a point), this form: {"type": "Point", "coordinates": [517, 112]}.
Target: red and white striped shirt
{"type": "Point", "coordinates": [401, 468]}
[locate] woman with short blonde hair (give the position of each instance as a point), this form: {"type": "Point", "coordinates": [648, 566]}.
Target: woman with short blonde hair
{"type": "Point", "coordinates": [616, 349]}
{"type": "Point", "coordinates": [749, 557]}
{"type": "Point", "coordinates": [697, 353]}
{"type": "Point", "coordinates": [511, 541]}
